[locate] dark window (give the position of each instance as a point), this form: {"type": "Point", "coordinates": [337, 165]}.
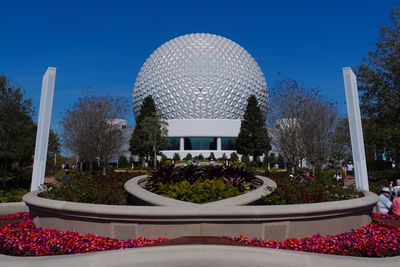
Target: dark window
{"type": "Point", "coordinates": [228, 143]}
{"type": "Point", "coordinates": [173, 144]}
{"type": "Point", "coordinates": [200, 143]}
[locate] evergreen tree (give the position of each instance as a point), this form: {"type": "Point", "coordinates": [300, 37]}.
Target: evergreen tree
{"type": "Point", "coordinates": [245, 159]}
{"type": "Point", "coordinates": [123, 162]}
{"type": "Point", "coordinates": [379, 84]}
{"type": "Point", "coordinates": [176, 157]}
{"type": "Point", "coordinates": [253, 136]}
{"type": "Point", "coordinates": [150, 133]}
{"type": "Point", "coordinates": [234, 157]}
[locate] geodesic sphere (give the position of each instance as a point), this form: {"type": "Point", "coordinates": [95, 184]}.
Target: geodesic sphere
{"type": "Point", "coordinates": [200, 76]}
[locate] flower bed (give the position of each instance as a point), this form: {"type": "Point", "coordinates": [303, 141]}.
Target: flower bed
{"type": "Point", "coordinates": [372, 240]}
{"type": "Point", "coordinates": [201, 184]}
{"type": "Point", "coordinates": [13, 218]}
{"type": "Point", "coordinates": [386, 218]}
{"type": "Point", "coordinates": [25, 239]}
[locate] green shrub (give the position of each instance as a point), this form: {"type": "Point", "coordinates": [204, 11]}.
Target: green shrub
{"type": "Point", "coordinates": [164, 159]}
{"type": "Point", "coordinates": [245, 159]}
{"type": "Point", "coordinates": [13, 195]}
{"type": "Point", "coordinates": [223, 158]}
{"type": "Point", "coordinates": [176, 157]}
{"type": "Point", "coordinates": [281, 161]}
{"type": "Point", "coordinates": [378, 165]}
{"type": "Point", "coordinates": [202, 191]}
{"type": "Point", "coordinates": [96, 189]}
{"type": "Point", "coordinates": [123, 162]}
{"type": "Point", "coordinates": [212, 156]}
{"type": "Point", "coordinates": [188, 157]}
{"type": "Point", "coordinates": [390, 175]}
{"type": "Point", "coordinates": [296, 191]}
{"type": "Point", "coordinates": [234, 157]}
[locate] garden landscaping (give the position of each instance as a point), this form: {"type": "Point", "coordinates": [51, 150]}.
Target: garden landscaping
{"type": "Point", "coordinates": [303, 189]}
{"type": "Point", "coordinates": [92, 188]}
{"type": "Point", "coordinates": [25, 239]}
{"type": "Point", "coordinates": [201, 184]}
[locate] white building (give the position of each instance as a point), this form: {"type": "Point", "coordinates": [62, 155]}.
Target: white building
{"type": "Point", "coordinates": [200, 84]}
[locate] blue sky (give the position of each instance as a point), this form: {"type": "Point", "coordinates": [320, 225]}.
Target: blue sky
{"type": "Point", "coordinates": [99, 46]}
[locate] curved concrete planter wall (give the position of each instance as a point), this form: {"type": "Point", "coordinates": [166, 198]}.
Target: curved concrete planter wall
{"type": "Point", "coordinates": [266, 222]}
{"type": "Point", "coordinates": [199, 256]}
{"type": "Point", "coordinates": [135, 187]}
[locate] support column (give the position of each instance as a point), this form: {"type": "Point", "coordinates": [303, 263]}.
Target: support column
{"type": "Point", "coordinates": [219, 144]}
{"type": "Point", "coordinates": [356, 132]}
{"type": "Point", "coordinates": [43, 128]}
{"type": "Point", "coordinates": [182, 144]}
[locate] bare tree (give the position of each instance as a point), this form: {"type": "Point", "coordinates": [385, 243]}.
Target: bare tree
{"type": "Point", "coordinates": [287, 109]}
{"type": "Point", "coordinates": [318, 127]}
{"type": "Point", "coordinates": [91, 130]}
{"type": "Point", "coordinates": [303, 124]}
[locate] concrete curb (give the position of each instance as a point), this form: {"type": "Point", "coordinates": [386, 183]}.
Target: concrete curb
{"type": "Point", "coordinates": [199, 256]}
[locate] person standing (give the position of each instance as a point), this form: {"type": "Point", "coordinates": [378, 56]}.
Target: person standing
{"type": "Point", "coordinates": [350, 169]}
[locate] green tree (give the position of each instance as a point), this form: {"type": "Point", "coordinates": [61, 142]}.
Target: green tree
{"type": "Point", "coordinates": [176, 157]}
{"type": "Point", "coordinates": [253, 136]}
{"type": "Point", "coordinates": [234, 157]}
{"type": "Point", "coordinates": [379, 85]}
{"type": "Point", "coordinates": [17, 134]}
{"type": "Point", "coordinates": [123, 162]}
{"type": "Point", "coordinates": [150, 133]}
{"type": "Point", "coordinates": [245, 159]}
{"type": "Point", "coordinates": [52, 151]}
